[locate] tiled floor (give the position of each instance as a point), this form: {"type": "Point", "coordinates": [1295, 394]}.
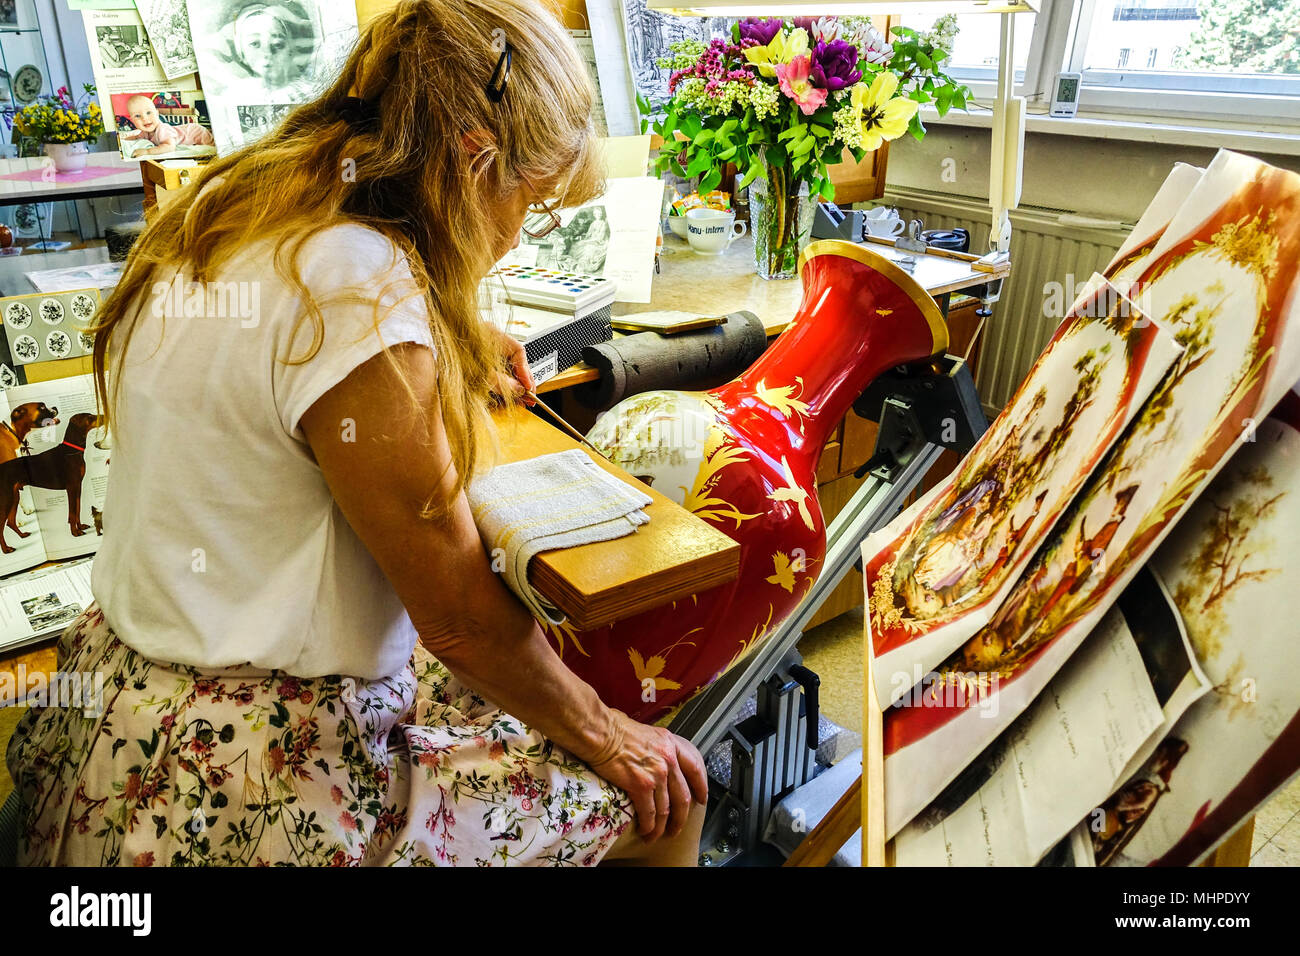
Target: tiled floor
{"type": "Point", "coordinates": [834, 651]}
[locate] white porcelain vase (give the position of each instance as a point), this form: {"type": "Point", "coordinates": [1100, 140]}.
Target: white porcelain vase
{"type": "Point", "coordinates": [68, 157]}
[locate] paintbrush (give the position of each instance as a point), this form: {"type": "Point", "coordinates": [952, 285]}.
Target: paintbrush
{"type": "Point", "coordinates": [554, 416]}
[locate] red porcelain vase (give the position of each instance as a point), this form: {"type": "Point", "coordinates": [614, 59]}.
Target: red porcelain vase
{"type": "Point", "coordinates": [744, 458]}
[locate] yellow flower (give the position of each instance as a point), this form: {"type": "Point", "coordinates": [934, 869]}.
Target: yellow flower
{"type": "Point", "coordinates": [881, 115]}
{"type": "Point", "coordinates": [783, 48]}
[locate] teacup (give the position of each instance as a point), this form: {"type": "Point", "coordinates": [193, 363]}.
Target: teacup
{"type": "Point", "coordinates": [710, 231]}
{"type": "Point", "coordinates": [883, 221]}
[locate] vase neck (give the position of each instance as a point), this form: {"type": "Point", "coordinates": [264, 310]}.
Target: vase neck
{"type": "Point", "coordinates": [853, 324]}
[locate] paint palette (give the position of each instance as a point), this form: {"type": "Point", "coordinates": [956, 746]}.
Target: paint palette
{"type": "Point", "coordinates": [47, 326]}
{"type": "Point", "coordinates": [559, 291]}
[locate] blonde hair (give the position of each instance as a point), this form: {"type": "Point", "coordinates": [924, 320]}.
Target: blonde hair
{"type": "Point", "coordinates": [426, 65]}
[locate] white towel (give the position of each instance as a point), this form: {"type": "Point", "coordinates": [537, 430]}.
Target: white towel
{"type": "Point", "coordinates": [553, 501]}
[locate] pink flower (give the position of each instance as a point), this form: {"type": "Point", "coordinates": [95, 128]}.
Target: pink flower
{"type": "Point", "coordinates": [347, 821]}
{"type": "Point", "coordinates": [144, 859]}
{"type": "Point", "coordinates": [795, 83]}
{"type": "Point", "coordinates": [336, 794]}
{"type": "Point", "coordinates": [526, 804]}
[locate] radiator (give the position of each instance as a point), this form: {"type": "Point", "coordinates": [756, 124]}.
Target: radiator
{"type": "Point", "coordinates": [1044, 251]}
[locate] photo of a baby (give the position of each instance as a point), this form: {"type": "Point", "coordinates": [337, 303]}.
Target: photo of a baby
{"type": "Point", "coordinates": [161, 126]}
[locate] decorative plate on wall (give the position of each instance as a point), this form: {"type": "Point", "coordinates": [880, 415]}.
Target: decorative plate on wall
{"type": "Point", "coordinates": [27, 84]}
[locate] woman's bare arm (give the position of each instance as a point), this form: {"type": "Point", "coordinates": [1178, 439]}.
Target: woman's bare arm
{"type": "Point", "coordinates": [462, 611]}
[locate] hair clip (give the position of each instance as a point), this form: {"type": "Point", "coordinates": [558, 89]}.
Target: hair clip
{"type": "Point", "coordinates": [496, 88]}
{"type": "Point", "coordinates": [361, 115]}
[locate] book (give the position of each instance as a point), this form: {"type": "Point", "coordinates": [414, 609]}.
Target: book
{"type": "Point", "coordinates": [54, 456]}
{"type": "Point", "coordinates": [42, 602]}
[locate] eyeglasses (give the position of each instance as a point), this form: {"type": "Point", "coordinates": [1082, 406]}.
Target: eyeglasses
{"type": "Point", "coordinates": [540, 209]}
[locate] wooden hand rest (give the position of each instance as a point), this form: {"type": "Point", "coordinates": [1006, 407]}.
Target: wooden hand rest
{"type": "Point", "coordinates": [674, 556]}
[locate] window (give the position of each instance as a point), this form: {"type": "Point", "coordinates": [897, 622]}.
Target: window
{"type": "Point", "coordinates": [1213, 46]}
{"type": "Point", "coordinates": [975, 51]}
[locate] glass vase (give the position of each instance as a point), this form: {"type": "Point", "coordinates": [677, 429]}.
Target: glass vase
{"type": "Point", "coordinates": [781, 218]}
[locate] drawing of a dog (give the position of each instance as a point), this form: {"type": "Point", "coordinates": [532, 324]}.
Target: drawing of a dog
{"type": "Point", "coordinates": [61, 468]}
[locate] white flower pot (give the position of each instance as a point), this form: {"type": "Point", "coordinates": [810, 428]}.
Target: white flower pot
{"type": "Point", "coordinates": [68, 157]}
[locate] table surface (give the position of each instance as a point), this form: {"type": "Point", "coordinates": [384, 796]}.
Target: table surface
{"type": "Point", "coordinates": [15, 192]}
{"type": "Point", "coordinates": [13, 269]}
{"type": "Point", "coordinates": [716, 285]}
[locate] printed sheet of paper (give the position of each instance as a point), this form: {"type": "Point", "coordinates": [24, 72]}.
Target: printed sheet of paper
{"type": "Point", "coordinates": [42, 602]}
{"type": "Point", "coordinates": [68, 396]}
{"type": "Point", "coordinates": [123, 60]}
{"type": "Point", "coordinates": [1060, 759]}
{"type": "Point", "coordinates": [937, 573]}
{"type": "Point", "coordinates": [1217, 280]}
{"type": "Point", "coordinates": [100, 275]}
{"type": "Point", "coordinates": [612, 236]}
{"type": "Point", "coordinates": [258, 60]}
{"type": "Point", "coordinates": [1230, 566]}
{"type": "Point", "coordinates": [168, 27]}
{"type": "Point", "coordinates": [1100, 718]}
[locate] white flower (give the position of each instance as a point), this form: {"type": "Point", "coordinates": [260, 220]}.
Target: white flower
{"type": "Point", "coordinates": [872, 45]}
{"type": "Point", "coordinates": [825, 29]}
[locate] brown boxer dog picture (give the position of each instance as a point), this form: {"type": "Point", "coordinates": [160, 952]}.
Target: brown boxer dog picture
{"type": "Point", "coordinates": [23, 420]}
{"type": "Point", "coordinates": [60, 468]}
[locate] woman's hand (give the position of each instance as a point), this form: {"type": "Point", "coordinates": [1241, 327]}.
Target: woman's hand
{"type": "Point", "coordinates": [660, 771]}
{"type": "Point", "coordinates": [512, 386]}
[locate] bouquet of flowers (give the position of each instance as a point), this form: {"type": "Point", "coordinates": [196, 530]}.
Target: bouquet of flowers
{"type": "Point", "coordinates": [784, 99]}
{"type": "Point", "coordinates": [60, 118]}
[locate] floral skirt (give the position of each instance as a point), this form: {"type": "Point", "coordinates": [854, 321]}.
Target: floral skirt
{"type": "Point", "coordinates": [247, 767]}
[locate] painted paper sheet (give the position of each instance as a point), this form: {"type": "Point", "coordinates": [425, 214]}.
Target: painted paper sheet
{"type": "Point", "coordinates": [938, 572]}
{"type": "Point", "coordinates": [257, 60]}
{"type": "Point", "coordinates": [1065, 754]}
{"type": "Point", "coordinates": [1230, 565]}
{"type": "Point", "coordinates": [1219, 280]}
{"type": "Point", "coordinates": [1098, 721]}
{"type": "Point", "coordinates": [1169, 198]}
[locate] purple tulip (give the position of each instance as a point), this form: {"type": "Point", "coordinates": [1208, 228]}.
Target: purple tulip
{"type": "Point", "coordinates": [835, 65]}
{"type": "Point", "coordinates": [760, 29]}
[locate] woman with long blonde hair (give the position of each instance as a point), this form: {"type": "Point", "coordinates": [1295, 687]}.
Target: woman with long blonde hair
{"type": "Point", "coordinates": [307, 656]}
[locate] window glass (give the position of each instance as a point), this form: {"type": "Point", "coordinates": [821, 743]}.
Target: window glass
{"type": "Point", "coordinates": [1195, 36]}
{"type": "Point", "coordinates": [975, 49]}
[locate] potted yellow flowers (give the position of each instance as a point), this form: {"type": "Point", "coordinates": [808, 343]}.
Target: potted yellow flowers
{"type": "Point", "coordinates": [63, 126]}
{"type": "Point", "coordinates": [784, 99]}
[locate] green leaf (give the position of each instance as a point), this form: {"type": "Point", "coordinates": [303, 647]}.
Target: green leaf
{"type": "Point", "coordinates": [669, 126]}
{"type": "Point", "coordinates": [710, 180]}
{"type": "Point", "coordinates": [776, 156]}
{"type": "Point", "coordinates": [703, 137]}
{"type": "Point", "coordinates": [699, 164]}
{"type": "Point", "coordinates": [755, 136]}
{"type": "Point", "coordinates": [690, 124]}
{"type": "Point", "coordinates": [805, 147]}
{"type": "Point", "coordinates": [943, 99]}
{"type": "Point", "coordinates": [678, 169]}
{"type": "Point", "coordinates": [925, 62]}
{"type": "Point", "coordinates": [729, 126]}
{"type": "Point", "coordinates": [916, 127]}
{"type": "Point", "coordinates": [751, 174]}
{"type": "Point", "coordinates": [830, 191]}
{"type": "Point", "coordinates": [642, 104]}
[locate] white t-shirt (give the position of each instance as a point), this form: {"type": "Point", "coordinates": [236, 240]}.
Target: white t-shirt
{"type": "Point", "coordinates": [222, 543]}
